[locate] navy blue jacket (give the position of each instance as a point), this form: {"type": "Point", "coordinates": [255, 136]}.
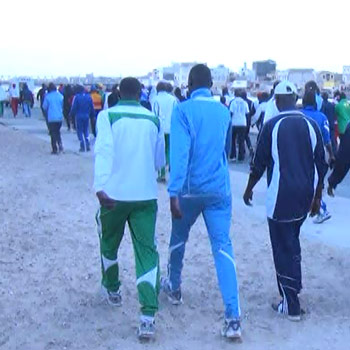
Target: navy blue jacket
{"type": "Point", "coordinates": [290, 147]}
{"type": "Point", "coordinates": [342, 164]}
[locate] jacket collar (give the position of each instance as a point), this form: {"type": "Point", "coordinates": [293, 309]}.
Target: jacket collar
{"type": "Point", "coordinates": [128, 103]}
{"type": "Point", "coordinates": [203, 92]}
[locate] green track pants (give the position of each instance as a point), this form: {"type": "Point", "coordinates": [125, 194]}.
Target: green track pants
{"type": "Point", "coordinates": [141, 218]}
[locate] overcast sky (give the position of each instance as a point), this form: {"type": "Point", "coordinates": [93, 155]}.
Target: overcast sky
{"type": "Point", "coordinates": [131, 37]}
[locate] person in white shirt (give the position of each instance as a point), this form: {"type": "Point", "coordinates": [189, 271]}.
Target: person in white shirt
{"type": "Point", "coordinates": [163, 105]}
{"type": "Point", "coordinates": [271, 108]}
{"type": "Point", "coordinates": [239, 110]}
{"type": "Point", "coordinates": [259, 116]}
{"type": "Point", "coordinates": [14, 99]}
{"type": "Point", "coordinates": [129, 149]}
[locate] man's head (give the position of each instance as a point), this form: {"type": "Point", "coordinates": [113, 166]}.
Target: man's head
{"type": "Point", "coordinates": [161, 86]}
{"type": "Point", "coordinates": [52, 87]}
{"type": "Point", "coordinates": [309, 99]}
{"type": "Point", "coordinates": [244, 94]}
{"type": "Point", "coordinates": [238, 93]}
{"type": "Point", "coordinates": [286, 96]}
{"type": "Point", "coordinates": [130, 89]}
{"type": "Point", "coordinates": [169, 88]}
{"type": "Point", "coordinates": [200, 77]}
{"type": "Point", "coordinates": [325, 96]}
{"type": "Point", "coordinates": [339, 95]}
{"type": "Point", "coordinates": [311, 85]}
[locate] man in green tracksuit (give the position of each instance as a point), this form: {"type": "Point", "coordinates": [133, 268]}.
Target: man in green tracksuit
{"type": "Point", "coordinates": [129, 149]}
{"type": "Point", "coordinates": [342, 110]}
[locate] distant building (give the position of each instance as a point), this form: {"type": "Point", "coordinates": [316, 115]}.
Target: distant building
{"type": "Point", "coordinates": [326, 80]}
{"type": "Point", "coordinates": [300, 77]}
{"type": "Point", "coordinates": [264, 70]}
{"type": "Point", "coordinates": [282, 75]}
{"type": "Point", "coordinates": [346, 75]}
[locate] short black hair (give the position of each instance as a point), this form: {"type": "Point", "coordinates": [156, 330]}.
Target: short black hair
{"type": "Point", "coordinates": [200, 76]}
{"type": "Point", "coordinates": [130, 88]}
{"type": "Point", "coordinates": [161, 86]}
{"type": "Point", "coordinates": [52, 87]}
{"type": "Point", "coordinates": [238, 93]}
{"type": "Point", "coordinates": [311, 85]}
{"type": "Point", "coordinates": [309, 98]}
{"type": "Point", "coordinates": [325, 96]}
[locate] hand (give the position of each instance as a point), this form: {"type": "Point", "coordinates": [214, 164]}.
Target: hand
{"type": "Point", "coordinates": [330, 191]}
{"type": "Point", "coordinates": [105, 201]}
{"type": "Point", "coordinates": [248, 197]}
{"type": "Point", "coordinates": [315, 207]}
{"type": "Point", "coordinates": [175, 208]}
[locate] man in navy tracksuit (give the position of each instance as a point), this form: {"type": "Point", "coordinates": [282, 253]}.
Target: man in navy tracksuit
{"type": "Point", "coordinates": [290, 147]}
{"type": "Point", "coordinates": [199, 184]}
{"type": "Point", "coordinates": [342, 163]}
{"type": "Point", "coordinates": [82, 110]}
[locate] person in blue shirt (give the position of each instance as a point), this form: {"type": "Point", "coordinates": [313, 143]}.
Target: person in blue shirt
{"type": "Point", "coordinates": [290, 147]}
{"type": "Point", "coordinates": [82, 110]}
{"type": "Point", "coordinates": [310, 110]}
{"type": "Point", "coordinates": [200, 185]}
{"type": "Point", "coordinates": [328, 109]}
{"type": "Point", "coordinates": [53, 107]}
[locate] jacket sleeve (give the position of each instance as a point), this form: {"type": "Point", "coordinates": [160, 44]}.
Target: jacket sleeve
{"type": "Point", "coordinates": [262, 156]}
{"type": "Point", "coordinates": [103, 152]}
{"type": "Point", "coordinates": [319, 155]}
{"type": "Point", "coordinates": [179, 151]}
{"type": "Point", "coordinates": [159, 160]}
{"type": "Point", "coordinates": [228, 143]}
{"type": "Point", "coordinates": [342, 164]}
{"type": "Point", "coordinates": [45, 104]}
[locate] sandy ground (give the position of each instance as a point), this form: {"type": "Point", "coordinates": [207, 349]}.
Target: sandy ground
{"type": "Point", "coordinates": [50, 269]}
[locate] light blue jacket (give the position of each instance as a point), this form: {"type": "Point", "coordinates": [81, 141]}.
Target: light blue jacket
{"type": "Point", "coordinates": [200, 139]}
{"type": "Point", "coordinates": [53, 106]}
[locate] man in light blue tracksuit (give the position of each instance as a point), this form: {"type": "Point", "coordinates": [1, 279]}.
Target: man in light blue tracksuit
{"type": "Point", "coordinates": [200, 184]}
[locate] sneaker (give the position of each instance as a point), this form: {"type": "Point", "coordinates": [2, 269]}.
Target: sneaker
{"type": "Point", "coordinates": [113, 298]}
{"type": "Point", "coordinates": [233, 160]}
{"type": "Point", "coordinates": [280, 310]}
{"type": "Point", "coordinates": [320, 218]}
{"type": "Point", "coordinates": [232, 329]}
{"type": "Point", "coordinates": [146, 329]}
{"type": "Point", "coordinates": [174, 296]}
{"type": "Point", "coordinates": [161, 179]}
{"type": "Point", "coordinates": [81, 149]}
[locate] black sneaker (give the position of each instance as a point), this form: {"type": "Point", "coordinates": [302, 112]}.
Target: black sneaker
{"type": "Point", "coordinates": [174, 296]}
{"type": "Point", "coordinates": [281, 309]}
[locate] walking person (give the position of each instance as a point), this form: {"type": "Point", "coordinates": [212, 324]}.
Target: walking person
{"type": "Point", "coordinates": [163, 106]}
{"type": "Point", "coordinates": [342, 111]}
{"type": "Point", "coordinates": [328, 108]}
{"type": "Point", "coordinates": [129, 149]}
{"type": "Point", "coordinates": [82, 110]}
{"type": "Point", "coordinates": [67, 106]}
{"type": "Point", "coordinates": [342, 163]}
{"type": "Point", "coordinates": [249, 122]}
{"type": "Point", "coordinates": [2, 100]}
{"type": "Point", "coordinates": [98, 106]}
{"type": "Point", "coordinates": [310, 110]}
{"type": "Point", "coordinates": [200, 184]}
{"type": "Point", "coordinates": [53, 107]}
{"type": "Point", "coordinates": [27, 101]}
{"type": "Point", "coordinates": [290, 147]}
{"type": "Point", "coordinates": [239, 110]}
{"type": "Point", "coordinates": [14, 99]}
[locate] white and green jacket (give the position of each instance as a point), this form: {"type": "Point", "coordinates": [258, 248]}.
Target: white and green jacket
{"type": "Point", "coordinates": [129, 149]}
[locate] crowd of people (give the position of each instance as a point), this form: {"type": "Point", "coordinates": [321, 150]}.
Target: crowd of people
{"type": "Point", "coordinates": [190, 141]}
{"type": "Point", "coordinates": [200, 136]}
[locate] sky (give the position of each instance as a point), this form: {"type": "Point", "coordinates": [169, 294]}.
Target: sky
{"type": "Point", "coordinates": [132, 37]}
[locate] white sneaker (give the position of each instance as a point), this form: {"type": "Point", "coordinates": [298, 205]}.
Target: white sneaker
{"type": "Point", "coordinates": [113, 298]}
{"type": "Point", "coordinates": [232, 329]}
{"type": "Point", "coordinates": [147, 328]}
{"type": "Point", "coordinates": [322, 217]}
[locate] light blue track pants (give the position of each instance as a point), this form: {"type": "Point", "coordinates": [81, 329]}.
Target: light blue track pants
{"type": "Point", "coordinates": [217, 216]}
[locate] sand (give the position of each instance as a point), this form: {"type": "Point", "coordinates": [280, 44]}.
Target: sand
{"type": "Point", "coordinates": [50, 269]}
